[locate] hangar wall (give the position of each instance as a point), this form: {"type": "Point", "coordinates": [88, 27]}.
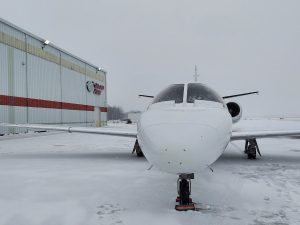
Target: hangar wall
{"type": "Point", "coordinates": [41, 83]}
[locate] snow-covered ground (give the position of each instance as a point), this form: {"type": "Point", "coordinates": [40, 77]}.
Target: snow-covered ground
{"type": "Point", "coordinates": [69, 179]}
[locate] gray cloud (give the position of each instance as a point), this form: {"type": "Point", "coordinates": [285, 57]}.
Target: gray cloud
{"type": "Point", "coordinates": [145, 45]}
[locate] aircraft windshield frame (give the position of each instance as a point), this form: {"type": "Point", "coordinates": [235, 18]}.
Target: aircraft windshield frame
{"type": "Point", "coordinates": [198, 91]}
{"type": "Point", "coordinates": [174, 92]}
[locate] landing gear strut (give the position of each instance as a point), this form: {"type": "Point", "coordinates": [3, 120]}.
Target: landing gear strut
{"type": "Point", "coordinates": [251, 147]}
{"type": "Point", "coordinates": [184, 192]}
{"type": "Point", "coordinates": [137, 149]}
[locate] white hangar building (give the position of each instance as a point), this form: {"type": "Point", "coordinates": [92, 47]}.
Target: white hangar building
{"type": "Point", "coordinates": [41, 83]}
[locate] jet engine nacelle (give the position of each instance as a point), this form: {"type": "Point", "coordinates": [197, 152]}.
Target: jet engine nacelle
{"type": "Point", "coordinates": [235, 111]}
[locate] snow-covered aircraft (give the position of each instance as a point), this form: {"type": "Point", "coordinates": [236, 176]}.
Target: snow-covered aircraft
{"type": "Point", "coordinates": [185, 129]}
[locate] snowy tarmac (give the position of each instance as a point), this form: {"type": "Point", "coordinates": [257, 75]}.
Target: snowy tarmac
{"type": "Point", "coordinates": [69, 179]}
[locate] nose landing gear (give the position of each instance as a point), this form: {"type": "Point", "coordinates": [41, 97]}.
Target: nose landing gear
{"type": "Point", "coordinates": [184, 192]}
{"type": "Point", "coordinates": [251, 147]}
{"type": "Point", "coordinates": [137, 149]}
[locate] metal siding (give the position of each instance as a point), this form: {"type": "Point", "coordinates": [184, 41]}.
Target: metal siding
{"type": "Point", "coordinates": [19, 66]}
{"type": "Point", "coordinates": [19, 87]}
{"type": "Point", "coordinates": [4, 111]}
{"type": "Point", "coordinates": [3, 70]}
{"type": "Point", "coordinates": [43, 83]}
{"type": "Point", "coordinates": [103, 118]}
{"type": "Point", "coordinates": [19, 116]}
{"type": "Point", "coordinates": [90, 117]}
{"type": "Point", "coordinates": [44, 115]}
{"type": "Point", "coordinates": [12, 74]}
{"type": "Point", "coordinates": [3, 84]}
{"type": "Point", "coordinates": [14, 27]}
{"type": "Point", "coordinates": [12, 37]}
{"type": "Point", "coordinates": [43, 79]}
{"type": "Point", "coordinates": [73, 89]}
{"type": "Point", "coordinates": [73, 84]}
{"type": "Point", "coordinates": [30, 69]}
{"type": "Point", "coordinates": [73, 116]}
{"type": "Point", "coordinates": [11, 59]}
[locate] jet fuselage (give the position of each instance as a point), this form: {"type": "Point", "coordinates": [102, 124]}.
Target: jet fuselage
{"type": "Point", "coordinates": [184, 136]}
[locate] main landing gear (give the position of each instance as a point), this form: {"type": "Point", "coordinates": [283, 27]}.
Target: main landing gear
{"type": "Point", "coordinates": [184, 192]}
{"type": "Point", "coordinates": [251, 147]}
{"type": "Point", "coordinates": [137, 149]}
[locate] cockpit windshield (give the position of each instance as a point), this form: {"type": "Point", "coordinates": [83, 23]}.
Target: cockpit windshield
{"type": "Point", "coordinates": [197, 91]}
{"type": "Point", "coordinates": [172, 93]}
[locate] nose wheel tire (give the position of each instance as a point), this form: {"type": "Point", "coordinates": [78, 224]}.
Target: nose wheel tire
{"type": "Point", "coordinates": [184, 192]}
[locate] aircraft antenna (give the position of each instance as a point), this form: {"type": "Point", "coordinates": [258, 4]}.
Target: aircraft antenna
{"type": "Point", "coordinates": [196, 75]}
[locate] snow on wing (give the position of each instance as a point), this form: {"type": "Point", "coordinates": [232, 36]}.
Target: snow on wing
{"type": "Point", "coordinates": [236, 135]}
{"type": "Point", "coordinates": [243, 135]}
{"type": "Point", "coordinates": [89, 130]}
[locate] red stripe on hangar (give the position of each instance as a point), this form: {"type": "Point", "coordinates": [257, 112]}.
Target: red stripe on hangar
{"type": "Point", "coordinates": [13, 101]}
{"type": "Point", "coordinates": [103, 109]}
{"type": "Point", "coordinates": [39, 103]}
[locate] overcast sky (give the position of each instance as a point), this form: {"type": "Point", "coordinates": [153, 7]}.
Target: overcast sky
{"type": "Point", "coordinates": [238, 46]}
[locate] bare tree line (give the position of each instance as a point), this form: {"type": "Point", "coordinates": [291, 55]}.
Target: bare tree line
{"type": "Point", "coordinates": [115, 113]}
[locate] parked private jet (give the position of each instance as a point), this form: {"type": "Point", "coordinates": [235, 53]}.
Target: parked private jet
{"type": "Point", "coordinates": [185, 129]}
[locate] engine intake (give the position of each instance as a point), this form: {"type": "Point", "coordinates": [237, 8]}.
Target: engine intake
{"type": "Point", "coordinates": [235, 111]}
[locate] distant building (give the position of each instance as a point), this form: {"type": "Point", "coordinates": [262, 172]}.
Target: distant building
{"type": "Point", "coordinates": [134, 116]}
{"type": "Point", "coordinates": [41, 83]}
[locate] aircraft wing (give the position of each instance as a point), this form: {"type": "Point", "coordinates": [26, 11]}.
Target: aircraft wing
{"type": "Point", "coordinates": [244, 135]}
{"type": "Point", "coordinates": [236, 135]}
{"type": "Point", "coordinates": [89, 130]}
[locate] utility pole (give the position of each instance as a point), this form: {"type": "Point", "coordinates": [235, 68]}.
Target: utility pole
{"type": "Point", "coordinates": [196, 75]}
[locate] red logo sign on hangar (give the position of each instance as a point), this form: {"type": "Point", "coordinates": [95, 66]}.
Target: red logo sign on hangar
{"type": "Point", "coordinates": [94, 87]}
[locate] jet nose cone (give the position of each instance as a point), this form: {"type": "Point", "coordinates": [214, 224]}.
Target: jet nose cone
{"type": "Point", "coordinates": [183, 147]}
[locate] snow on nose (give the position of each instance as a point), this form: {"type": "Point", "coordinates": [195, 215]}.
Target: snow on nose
{"type": "Point", "coordinates": [183, 146]}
